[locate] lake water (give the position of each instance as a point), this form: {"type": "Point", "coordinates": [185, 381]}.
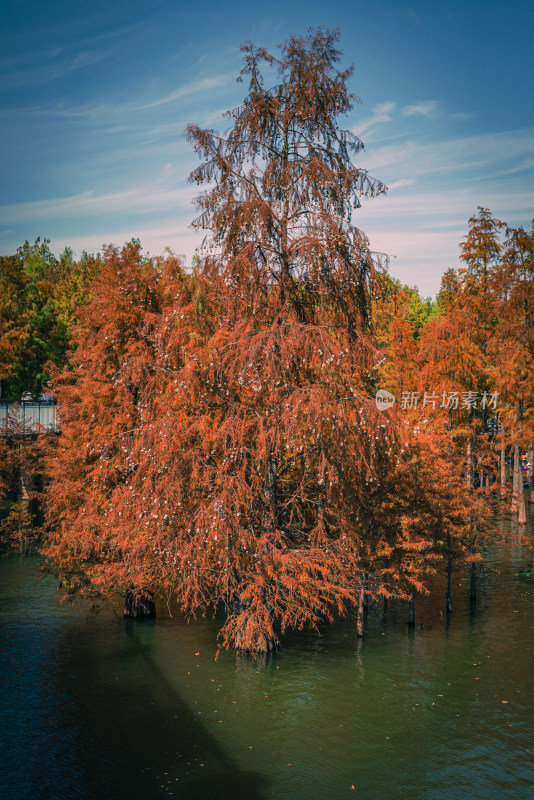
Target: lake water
{"type": "Point", "coordinates": [101, 708]}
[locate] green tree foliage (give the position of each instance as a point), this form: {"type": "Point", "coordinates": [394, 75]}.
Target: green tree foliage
{"type": "Point", "coordinates": [39, 295]}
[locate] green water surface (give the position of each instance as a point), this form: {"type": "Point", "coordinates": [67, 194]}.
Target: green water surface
{"type": "Point", "coordinates": [93, 707]}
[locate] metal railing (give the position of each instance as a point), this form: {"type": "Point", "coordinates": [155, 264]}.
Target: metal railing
{"type": "Point", "coordinates": [27, 417]}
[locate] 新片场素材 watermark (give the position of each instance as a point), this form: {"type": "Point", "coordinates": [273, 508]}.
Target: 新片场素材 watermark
{"type": "Point", "coordinates": [447, 400]}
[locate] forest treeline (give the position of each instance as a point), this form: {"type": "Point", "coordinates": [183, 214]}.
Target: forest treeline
{"type": "Point", "coordinates": [221, 442]}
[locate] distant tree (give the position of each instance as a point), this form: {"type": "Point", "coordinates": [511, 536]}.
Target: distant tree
{"type": "Point", "coordinates": [22, 455]}
{"type": "Point", "coordinates": [513, 350]}
{"type": "Point", "coordinates": [39, 297]}
{"type": "Point", "coordinates": [14, 322]}
{"type": "Point", "coordinates": [458, 360]}
{"type": "Point", "coordinates": [398, 317]}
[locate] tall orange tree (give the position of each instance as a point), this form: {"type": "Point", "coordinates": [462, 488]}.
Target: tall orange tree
{"type": "Point", "coordinates": [514, 349]}
{"type": "Point", "coordinates": [458, 362]}
{"type": "Point", "coordinates": [295, 442]}
{"type": "Point", "coordinates": [96, 535]}
{"type": "Point", "coordinates": [220, 437]}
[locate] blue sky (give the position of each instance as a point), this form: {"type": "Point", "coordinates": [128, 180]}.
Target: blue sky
{"type": "Point", "coordinates": [94, 99]}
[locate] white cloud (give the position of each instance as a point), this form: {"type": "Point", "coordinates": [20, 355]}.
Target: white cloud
{"type": "Point", "coordinates": [113, 110]}
{"type": "Point", "coordinates": [380, 113]}
{"type": "Point", "coordinates": [183, 91]}
{"type": "Point", "coordinates": [147, 198]}
{"type": "Point", "coordinates": [433, 191]}
{"type": "Point", "coordinates": [427, 108]}
{"type": "Point", "coordinates": [400, 184]}
{"type": "Point", "coordinates": [488, 151]}
{"type": "Point", "coordinates": [40, 74]}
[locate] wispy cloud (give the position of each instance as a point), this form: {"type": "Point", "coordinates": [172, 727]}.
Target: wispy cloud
{"type": "Point", "coordinates": [433, 190]}
{"type": "Point", "coordinates": [197, 86]}
{"type": "Point", "coordinates": [113, 110]}
{"type": "Point", "coordinates": [495, 152]}
{"type": "Point", "coordinates": [383, 112]}
{"type": "Point", "coordinates": [147, 198]}
{"type": "Point", "coordinates": [427, 108]}
{"type": "Point", "coordinates": [401, 184]}
{"type": "Point", "coordinates": [40, 74]}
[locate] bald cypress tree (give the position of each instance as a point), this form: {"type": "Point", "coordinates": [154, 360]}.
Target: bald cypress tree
{"type": "Point", "coordinates": [296, 443]}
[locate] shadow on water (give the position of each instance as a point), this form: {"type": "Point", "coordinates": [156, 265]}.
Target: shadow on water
{"type": "Point", "coordinates": [144, 740]}
{"type": "Point", "coordinates": [100, 720]}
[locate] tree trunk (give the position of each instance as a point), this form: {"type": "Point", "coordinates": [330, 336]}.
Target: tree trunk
{"type": "Point", "coordinates": [473, 583]}
{"type": "Point", "coordinates": [25, 488]}
{"type": "Point", "coordinates": [259, 644]}
{"type": "Point", "coordinates": [469, 463]}
{"type": "Point", "coordinates": [531, 480]}
{"type": "Point", "coordinates": [271, 491]}
{"type": "Point", "coordinates": [24, 521]}
{"type": "Point", "coordinates": [522, 511]}
{"type": "Point", "coordinates": [360, 616]}
{"type": "Point", "coordinates": [518, 502]}
{"type": "Point", "coordinates": [503, 462]}
{"type": "Point", "coordinates": [411, 612]}
{"type": "Point", "coordinates": [515, 458]}
{"type": "Point", "coordinates": [448, 595]}
{"type": "Point", "coordinates": [139, 606]}
{"type": "Point", "coordinates": [255, 642]}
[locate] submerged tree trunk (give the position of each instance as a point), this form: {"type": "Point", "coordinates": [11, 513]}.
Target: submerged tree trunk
{"type": "Point", "coordinates": [531, 480]}
{"type": "Point", "coordinates": [518, 501]}
{"type": "Point", "coordinates": [514, 503]}
{"type": "Point", "coordinates": [473, 583]}
{"type": "Point", "coordinates": [138, 605]}
{"type": "Point", "coordinates": [252, 639]}
{"type": "Point", "coordinates": [258, 645]}
{"type": "Point", "coordinates": [520, 495]}
{"type": "Point", "coordinates": [448, 596]}
{"type": "Point", "coordinates": [411, 612]}
{"type": "Point", "coordinates": [248, 635]}
{"type": "Point", "coordinates": [360, 616]}
{"type": "Point", "coordinates": [522, 511]}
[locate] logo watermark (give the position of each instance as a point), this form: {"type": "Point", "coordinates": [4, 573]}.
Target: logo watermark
{"type": "Point", "coordinates": [446, 400]}
{"type": "Point", "coordinates": [384, 399]}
